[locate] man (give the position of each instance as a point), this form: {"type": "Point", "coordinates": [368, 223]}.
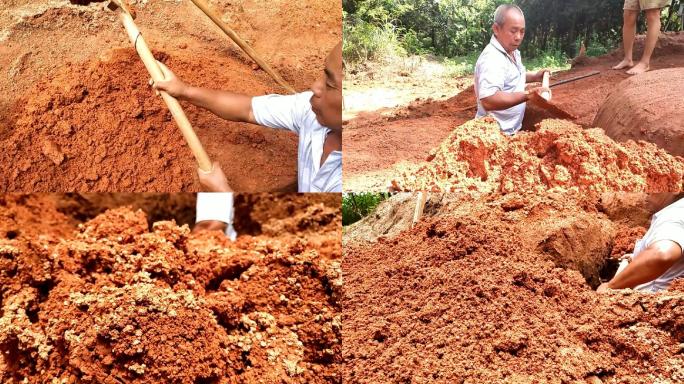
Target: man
{"type": "Point", "coordinates": [214, 212]}
{"type": "Point", "coordinates": [658, 258]}
{"type": "Point", "coordinates": [652, 9]}
{"type": "Point", "coordinates": [316, 116]}
{"type": "Point", "coordinates": [500, 75]}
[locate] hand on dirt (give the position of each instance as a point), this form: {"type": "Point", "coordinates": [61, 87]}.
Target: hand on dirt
{"type": "Point", "coordinates": [603, 288]}
{"type": "Point", "coordinates": [171, 85]}
{"type": "Point", "coordinates": [214, 180]}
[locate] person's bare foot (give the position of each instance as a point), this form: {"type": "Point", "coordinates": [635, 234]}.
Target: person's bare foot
{"type": "Point", "coordinates": [639, 69]}
{"type": "Point", "coordinates": [624, 64]}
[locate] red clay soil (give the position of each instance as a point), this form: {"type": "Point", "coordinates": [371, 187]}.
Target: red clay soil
{"type": "Point", "coordinates": [478, 158]}
{"type": "Point", "coordinates": [375, 144]}
{"type": "Point", "coordinates": [494, 292]}
{"type": "Point", "coordinates": [78, 114]}
{"type": "Point", "coordinates": [648, 107]}
{"type": "Point", "coordinates": [118, 300]}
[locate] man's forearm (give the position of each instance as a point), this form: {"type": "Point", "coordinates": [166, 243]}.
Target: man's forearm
{"type": "Point", "coordinates": [503, 100]}
{"type": "Point", "coordinates": [532, 77]}
{"type": "Point", "coordinates": [648, 266]}
{"type": "Point", "coordinates": [227, 105]}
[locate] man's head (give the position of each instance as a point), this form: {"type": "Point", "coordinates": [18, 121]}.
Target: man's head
{"type": "Point", "coordinates": [509, 26]}
{"type": "Point", "coordinates": [326, 101]}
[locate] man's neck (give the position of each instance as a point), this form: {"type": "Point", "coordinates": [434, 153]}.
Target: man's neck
{"type": "Point", "coordinates": [333, 142]}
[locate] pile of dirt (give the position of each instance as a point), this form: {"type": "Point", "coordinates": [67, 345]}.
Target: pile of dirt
{"type": "Point", "coordinates": [117, 300]}
{"type": "Point", "coordinates": [498, 290]}
{"type": "Point", "coordinates": [649, 107]}
{"type": "Point", "coordinates": [132, 143]}
{"type": "Point", "coordinates": [560, 155]}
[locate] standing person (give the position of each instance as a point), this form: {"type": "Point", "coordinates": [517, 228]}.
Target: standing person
{"type": "Point", "coordinates": [316, 116]}
{"type": "Point", "coordinates": [652, 8]}
{"type": "Point", "coordinates": [500, 75]}
{"type": "Point", "coordinates": [657, 258]}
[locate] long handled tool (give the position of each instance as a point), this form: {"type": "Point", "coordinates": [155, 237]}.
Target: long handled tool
{"type": "Point", "coordinates": [545, 100]}
{"type": "Point", "coordinates": [570, 80]}
{"type": "Point", "coordinates": [420, 207]}
{"type": "Point", "coordinates": [242, 44]}
{"type": "Point", "coordinates": [157, 75]}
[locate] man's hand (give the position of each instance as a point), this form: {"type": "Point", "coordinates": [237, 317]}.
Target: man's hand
{"type": "Point", "coordinates": [171, 84]}
{"type": "Point", "coordinates": [214, 180]}
{"type": "Point", "coordinates": [536, 93]}
{"type": "Point", "coordinates": [603, 288]}
{"type": "Point", "coordinates": [210, 225]}
{"type": "Point", "coordinates": [539, 76]}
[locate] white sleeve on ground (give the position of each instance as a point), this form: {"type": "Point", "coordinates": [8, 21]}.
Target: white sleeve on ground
{"type": "Point", "coordinates": [216, 206]}
{"type": "Point", "coordinates": [280, 111]}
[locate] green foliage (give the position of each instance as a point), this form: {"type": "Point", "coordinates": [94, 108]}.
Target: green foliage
{"type": "Point", "coordinates": [461, 28]}
{"type": "Point", "coordinates": [553, 60]}
{"type": "Point", "coordinates": [356, 206]}
{"type": "Point", "coordinates": [364, 41]}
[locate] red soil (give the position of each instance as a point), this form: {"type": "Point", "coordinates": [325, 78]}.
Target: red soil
{"type": "Point", "coordinates": [477, 157]}
{"type": "Point", "coordinates": [115, 300]}
{"type": "Point", "coordinates": [493, 292]}
{"type": "Point", "coordinates": [376, 145]}
{"type": "Point", "coordinates": [648, 107]}
{"type": "Point", "coordinates": [77, 113]}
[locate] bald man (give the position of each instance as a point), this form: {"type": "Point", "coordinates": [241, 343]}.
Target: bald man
{"type": "Point", "coordinates": [315, 115]}
{"type": "Point", "coordinates": [500, 76]}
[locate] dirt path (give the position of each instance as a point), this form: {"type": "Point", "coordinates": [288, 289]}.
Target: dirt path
{"type": "Point", "coordinates": [77, 115]}
{"type": "Point", "coordinates": [376, 144]}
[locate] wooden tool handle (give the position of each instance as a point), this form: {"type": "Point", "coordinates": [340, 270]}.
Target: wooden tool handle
{"type": "Point", "coordinates": [420, 206]}
{"type": "Point", "coordinates": [242, 44]}
{"type": "Point", "coordinates": [157, 75]}
{"type": "Point", "coordinates": [545, 83]}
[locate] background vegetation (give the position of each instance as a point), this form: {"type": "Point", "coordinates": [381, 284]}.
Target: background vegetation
{"type": "Point", "coordinates": [457, 30]}
{"type": "Point", "coordinates": [356, 206]}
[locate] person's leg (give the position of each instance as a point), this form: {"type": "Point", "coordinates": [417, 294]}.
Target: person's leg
{"type": "Point", "coordinates": [628, 35]}
{"type": "Point", "coordinates": [653, 20]}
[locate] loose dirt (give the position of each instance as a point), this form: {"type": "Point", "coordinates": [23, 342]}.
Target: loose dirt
{"type": "Point", "coordinates": [119, 299]}
{"type": "Point", "coordinates": [499, 289]}
{"type": "Point", "coordinates": [378, 144]}
{"type": "Point", "coordinates": [77, 113]}
{"type": "Point", "coordinates": [478, 158]}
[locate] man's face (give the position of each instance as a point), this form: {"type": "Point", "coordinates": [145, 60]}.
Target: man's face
{"type": "Point", "coordinates": [512, 32]}
{"type": "Point", "coordinates": [326, 101]}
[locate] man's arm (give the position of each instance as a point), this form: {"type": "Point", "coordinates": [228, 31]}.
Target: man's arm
{"type": "Point", "coordinates": [650, 264]}
{"type": "Point", "coordinates": [227, 105]}
{"type": "Point", "coordinates": [536, 77]}
{"type": "Point", "coordinates": [503, 100]}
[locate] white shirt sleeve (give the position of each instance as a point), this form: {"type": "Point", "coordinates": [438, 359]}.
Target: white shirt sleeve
{"type": "Point", "coordinates": [282, 112]}
{"type": "Point", "coordinates": [215, 206]}
{"type": "Point", "coordinates": [491, 79]}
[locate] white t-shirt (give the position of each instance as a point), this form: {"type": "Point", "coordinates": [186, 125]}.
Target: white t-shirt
{"type": "Point", "coordinates": [294, 112]}
{"type": "Point", "coordinates": [668, 224]}
{"type": "Point", "coordinates": [216, 206]}
{"type": "Point", "coordinates": [495, 71]}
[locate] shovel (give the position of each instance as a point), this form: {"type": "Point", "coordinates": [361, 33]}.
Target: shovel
{"type": "Point", "coordinates": [545, 100]}
{"type": "Point", "coordinates": [157, 75]}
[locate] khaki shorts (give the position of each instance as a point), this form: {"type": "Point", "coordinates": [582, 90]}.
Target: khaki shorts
{"type": "Point", "coordinates": [640, 5]}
